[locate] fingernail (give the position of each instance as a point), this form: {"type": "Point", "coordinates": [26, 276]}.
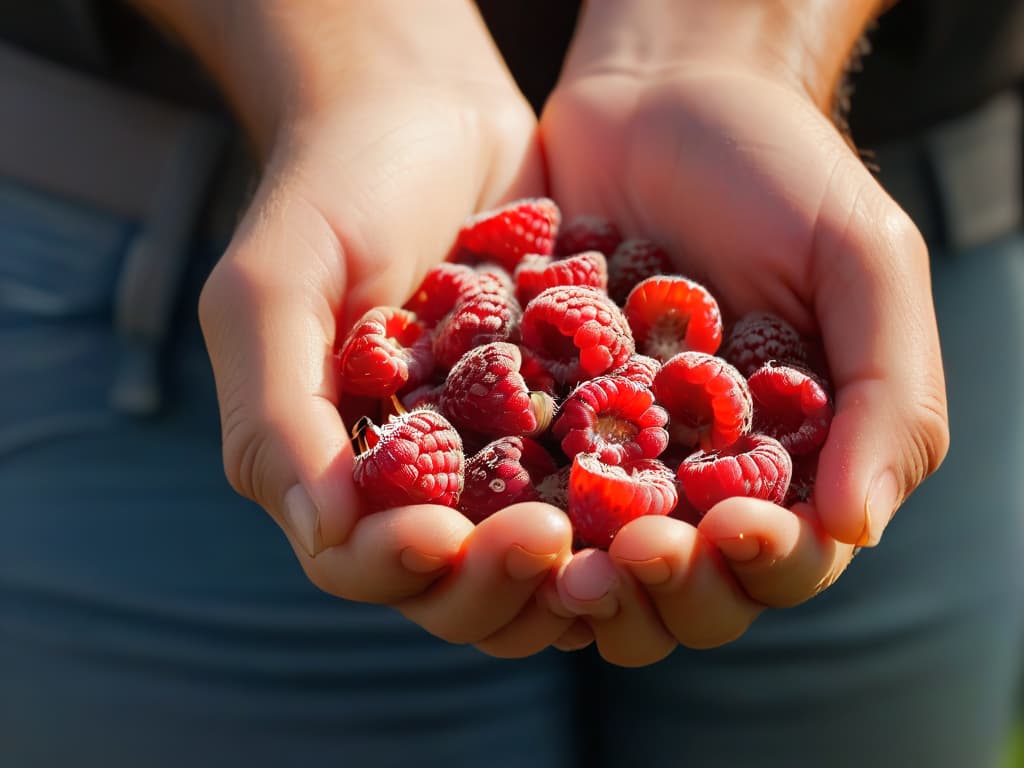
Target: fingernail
{"type": "Point", "coordinates": [650, 572]}
{"type": "Point", "coordinates": [303, 520]}
{"type": "Point", "coordinates": [420, 562]}
{"type": "Point", "coordinates": [522, 564]}
{"type": "Point", "coordinates": [589, 592]}
{"type": "Point", "coordinates": [740, 549]}
{"type": "Point", "coordinates": [880, 507]}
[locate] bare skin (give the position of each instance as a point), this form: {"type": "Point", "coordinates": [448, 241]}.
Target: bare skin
{"type": "Point", "coordinates": [384, 124]}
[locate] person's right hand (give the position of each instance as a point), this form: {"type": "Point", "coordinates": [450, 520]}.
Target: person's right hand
{"type": "Point", "coordinates": [371, 171]}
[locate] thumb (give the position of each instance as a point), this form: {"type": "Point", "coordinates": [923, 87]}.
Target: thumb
{"type": "Point", "coordinates": [269, 333]}
{"type": "Point", "coordinates": [873, 301]}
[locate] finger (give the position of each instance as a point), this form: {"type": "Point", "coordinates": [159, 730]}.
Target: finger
{"type": "Point", "coordinates": [696, 596]}
{"type": "Point", "coordinates": [578, 636]}
{"type": "Point", "coordinates": [874, 306]}
{"type": "Point", "coordinates": [269, 336]}
{"type": "Point", "coordinates": [535, 628]}
{"type": "Point", "coordinates": [392, 555]}
{"type": "Point", "coordinates": [626, 627]}
{"type": "Point", "coordinates": [503, 562]}
{"type": "Point", "coordinates": [780, 557]}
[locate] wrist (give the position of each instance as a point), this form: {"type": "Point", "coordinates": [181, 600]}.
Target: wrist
{"type": "Point", "coordinates": [805, 44]}
{"type": "Point", "coordinates": [281, 62]}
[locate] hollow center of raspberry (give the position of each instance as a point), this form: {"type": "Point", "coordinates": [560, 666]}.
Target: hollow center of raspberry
{"type": "Point", "coordinates": [555, 345]}
{"type": "Point", "coordinates": [615, 430]}
{"type": "Point", "coordinates": [667, 335]}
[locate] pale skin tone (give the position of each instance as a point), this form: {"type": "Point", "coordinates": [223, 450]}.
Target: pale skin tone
{"type": "Point", "coordinates": [384, 124]}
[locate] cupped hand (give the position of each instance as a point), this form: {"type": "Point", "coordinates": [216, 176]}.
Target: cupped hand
{"type": "Point", "coordinates": [757, 194]}
{"type": "Point", "coordinates": [360, 196]}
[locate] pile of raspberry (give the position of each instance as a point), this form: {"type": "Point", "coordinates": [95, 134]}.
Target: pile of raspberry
{"type": "Point", "coordinates": [572, 366]}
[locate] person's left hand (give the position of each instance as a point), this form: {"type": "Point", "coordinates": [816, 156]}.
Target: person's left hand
{"type": "Point", "coordinates": [738, 172]}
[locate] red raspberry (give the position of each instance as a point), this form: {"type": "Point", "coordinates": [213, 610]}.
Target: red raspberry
{"type": "Point", "coordinates": [554, 489]}
{"type": "Point", "coordinates": [801, 487]}
{"type": "Point", "coordinates": [537, 273]}
{"type": "Point", "coordinates": [493, 278]}
{"type": "Point", "coordinates": [707, 400]}
{"type": "Point", "coordinates": [386, 350]}
{"type": "Point", "coordinates": [792, 405]}
{"type": "Point", "coordinates": [759, 337]}
{"type": "Point", "coordinates": [506, 234]}
{"type": "Point", "coordinates": [424, 396]}
{"type": "Point", "coordinates": [444, 286]}
{"type": "Point", "coordinates": [576, 332]}
{"type": "Point", "coordinates": [756, 466]}
{"type": "Point", "coordinates": [504, 472]}
{"type": "Point", "coordinates": [671, 314]}
{"type": "Point", "coordinates": [414, 458]}
{"type": "Point", "coordinates": [635, 260]}
{"type": "Point", "coordinates": [485, 393]}
{"type": "Point", "coordinates": [604, 497]}
{"type": "Point", "coordinates": [480, 319]}
{"type": "Point", "coordinates": [587, 233]}
{"type": "Point", "coordinates": [639, 368]}
{"type": "Point", "coordinates": [613, 417]}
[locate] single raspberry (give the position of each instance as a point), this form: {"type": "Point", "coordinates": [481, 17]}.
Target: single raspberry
{"type": "Point", "coordinates": [506, 234]}
{"type": "Point", "coordinates": [639, 368]}
{"type": "Point", "coordinates": [480, 319]}
{"type": "Point", "coordinates": [613, 417]}
{"type": "Point", "coordinates": [759, 337]}
{"type": "Point", "coordinates": [708, 401]}
{"type": "Point", "coordinates": [756, 466]}
{"type": "Point", "coordinates": [672, 314]}
{"type": "Point", "coordinates": [577, 333]}
{"type": "Point", "coordinates": [604, 497]}
{"type": "Point", "coordinates": [801, 486]}
{"type": "Point", "coordinates": [444, 286]}
{"type": "Point", "coordinates": [632, 261]}
{"type": "Point", "coordinates": [587, 233]}
{"type": "Point", "coordinates": [537, 273]}
{"type": "Point", "coordinates": [792, 405]}
{"type": "Point", "coordinates": [505, 471]}
{"type": "Point", "coordinates": [387, 349]}
{"type": "Point", "coordinates": [486, 394]}
{"type": "Point", "coordinates": [414, 458]}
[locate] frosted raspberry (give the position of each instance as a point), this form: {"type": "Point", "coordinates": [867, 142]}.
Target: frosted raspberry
{"type": "Point", "coordinates": [708, 401]}
{"type": "Point", "coordinates": [670, 314]}
{"type": "Point", "coordinates": [756, 466]}
{"type": "Point", "coordinates": [759, 337]}
{"type": "Point", "coordinates": [792, 405]}
{"type": "Point", "coordinates": [537, 273]}
{"type": "Point", "coordinates": [486, 394]}
{"type": "Point", "coordinates": [604, 497]}
{"type": "Point", "coordinates": [587, 233]}
{"type": "Point", "coordinates": [387, 349]}
{"type": "Point", "coordinates": [639, 368]}
{"type": "Point", "coordinates": [801, 487]}
{"type": "Point", "coordinates": [424, 396]}
{"type": "Point", "coordinates": [493, 278]}
{"type": "Point", "coordinates": [632, 261]}
{"type": "Point", "coordinates": [577, 332]}
{"type": "Point", "coordinates": [480, 319]}
{"type": "Point", "coordinates": [613, 417]}
{"type": "Point", "coordinates": [505, 471]}
{"type": "Point", "coordinates": [444, 286]}
{"type": "Point", "coordinates": [535, 373]}
{"type": "Point", "coordinates": [414, 458]}
{"type": "Point", "coordinates": [504, 235]}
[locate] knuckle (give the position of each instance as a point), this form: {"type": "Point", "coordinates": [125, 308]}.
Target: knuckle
{"type": "Point", "coordinates": [930, 437]}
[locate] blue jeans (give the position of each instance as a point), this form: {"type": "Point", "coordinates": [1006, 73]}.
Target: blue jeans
{"type": "Point", "coordinates": [150, 617]}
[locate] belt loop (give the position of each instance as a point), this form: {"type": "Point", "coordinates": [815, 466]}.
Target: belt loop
{"type": "Point", "coordinates": [155, 264]}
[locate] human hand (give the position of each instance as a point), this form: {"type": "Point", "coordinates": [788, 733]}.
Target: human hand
{"type": "Point", "coordinates": [408, 123]}
{"type": "Point", "coordinates": [682, 129]}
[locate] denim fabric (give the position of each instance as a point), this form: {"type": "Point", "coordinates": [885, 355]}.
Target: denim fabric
{"type": "Point", "coordinates": [149, 617]}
